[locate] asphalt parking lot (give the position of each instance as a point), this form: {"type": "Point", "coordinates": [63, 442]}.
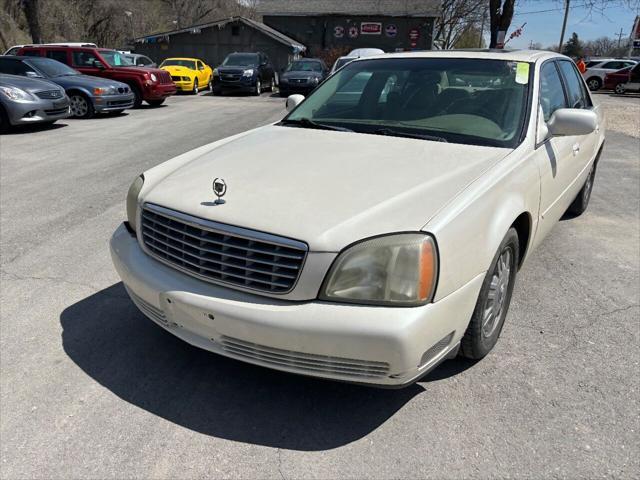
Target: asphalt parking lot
{"type": "Point", "coordinates": [89, 388]}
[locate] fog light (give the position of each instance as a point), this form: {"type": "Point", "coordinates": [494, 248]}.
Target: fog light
{"type": "Point", "coordinates": [30, 114]}
{"type": "Point", "coordinates": [436, 350]}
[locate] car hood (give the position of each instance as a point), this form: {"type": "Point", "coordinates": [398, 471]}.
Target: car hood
{"type": "Point", "coordinates": [86, 81]}
{"type": "Point", "coordinates": [326, 188]}
{"type": "Point", "coordinates": [135, 70]}
{"type": "Point", "coordinates": [30, 85]}
{"type": "Point", "coordinates": [233, 68]}
{"type": "Point", "coordinates": [301, 74]}
{"type": "Point", "coordinates": [178, 70]}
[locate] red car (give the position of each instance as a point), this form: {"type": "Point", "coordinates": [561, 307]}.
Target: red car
{"type": "Point", "coordinates": [615, 80]}
{"type": "Point", "coordinates": [149, 84]}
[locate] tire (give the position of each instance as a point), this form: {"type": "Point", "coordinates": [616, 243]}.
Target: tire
{"type": "Point", "coordinates": [619, 89]}
{"type": "Point", "coordinates": [137, 97]}
{"type": "Point", "coordinates": [5, 125]}
{"type": "Point", "coordinates": [81, 105]}
{"type": "Point", "coordinates": [486, 323]}
{"type": "Point", "coordinates": [272, 82]}
{"type": "Point", "coordinates": [195, 89]}
{"type": "Point", "coordinates": [258, 90]}
{"type": "Point", "coordinates": [581, 202]}
{"type": "Point", "coordinates": [210, 84]}
{"type": "Point", "coordinates": [594, 83]}
{"type": "Point", "coordinates": [155, 103]}
{"type": "Point", "coordinates": [217, 92]}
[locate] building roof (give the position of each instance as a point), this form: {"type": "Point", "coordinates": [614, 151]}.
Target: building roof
{"type": "Point", "coordinates": [396, 8]}
{"type": "Point", "coordinates": [270, 32]}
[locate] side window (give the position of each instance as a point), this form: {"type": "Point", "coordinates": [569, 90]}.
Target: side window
{"type": "Point", "coordinates": [59, 55]}
{"type": "Point", "coordinates": [575, 91]}
{"type": "Point", "coordinates": [551, 91]}
{"type": "Point", "coordinates": [84, 59]}
{"type": "Point", "coordinates": [613, 65]}
{"type": "Point", "coordinates": [31, 53]}
{"type": "Point", "coordinates": [16, 67]}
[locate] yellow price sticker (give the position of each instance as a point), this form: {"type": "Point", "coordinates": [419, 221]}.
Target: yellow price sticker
{"type": "Point", "coordinates": [522, 73]}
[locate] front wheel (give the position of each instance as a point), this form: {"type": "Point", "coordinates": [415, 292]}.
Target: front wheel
{"type": "Point", "coordinates": [494, 299]}
{"type": "Point", "coordinates": [594, 83]}
{"type": "Point", "coordinates": [81, 106]}
{"type": "Point", "coordinates": [258, 90]}
{"type": "Point", "coordinates": [4, 121]}
{"type": "Point", "coordinates": [155, 103]}
{"type": "Point", "coordinates": [195, 89]}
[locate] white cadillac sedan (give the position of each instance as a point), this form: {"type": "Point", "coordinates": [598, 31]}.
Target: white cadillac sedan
{"type": "Point", "coordinates": [379, 227]}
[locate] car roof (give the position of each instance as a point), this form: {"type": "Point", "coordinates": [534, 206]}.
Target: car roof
{"type": "Point", "coordinates": [181, 58]}
{"type": "Point", "coordinates": [486, 54]}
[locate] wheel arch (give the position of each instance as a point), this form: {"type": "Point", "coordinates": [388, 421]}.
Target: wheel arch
{"type": "Point", "coordinates": [523, 224]}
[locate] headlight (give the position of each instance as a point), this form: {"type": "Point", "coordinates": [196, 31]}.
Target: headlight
{"type": "Point", "coordinates": [314, 80]}
{"type": "Point", "coordinates": [105, 91]}
{"type": "Point", "coordinates": [215, 72]}
{"type": "Point", "coordinates": [16, 93]}
{"type": "Point", "coordinates": [153, 77]}
{"type": "Point", "coordinates": [400, 269]}
{"type": "Point", "coordinates": [132, 201]}
{"type": "Point", "coordinates": [248, 73]}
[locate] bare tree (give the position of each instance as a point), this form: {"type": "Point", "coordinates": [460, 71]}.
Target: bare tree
{"type": "Point", "coordinates": [457, 17]}
{"type": "Point", "coordinates": [500, 14]}
{"type": "Point", "coordinates": [31, 9]}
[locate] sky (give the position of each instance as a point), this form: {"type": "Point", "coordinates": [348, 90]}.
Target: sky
{"type": "Point", "coordinates": [544, 20]}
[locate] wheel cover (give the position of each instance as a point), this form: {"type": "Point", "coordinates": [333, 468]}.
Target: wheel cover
{"type": "Point", "coordinates": [497, 295]}
{"type": "Point", "coordinates": [619, 88]}
{"type": "Point", "coordinates": [195, 86]}
{"type": "Point", "coordinates": [258, 87]}
{"type": "Point", "coordinates": [594, 84]}
{"type": "Point", "coordinates": [79, 106]}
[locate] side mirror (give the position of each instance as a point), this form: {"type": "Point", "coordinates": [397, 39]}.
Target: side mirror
{"type": "Point", "coordinates": [98, 64]}
{"type": "Point", "coordinates": [293, 101]}
{"type": "Point", "coordinates": [32, 74]}
{"type": "Point", "coordinates": [572, 121]}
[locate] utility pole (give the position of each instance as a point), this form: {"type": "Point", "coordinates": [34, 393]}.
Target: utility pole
{"type": "Point", "coordinates": [564, 24]}
{"type": "Point", "coordinates": [620, 37]}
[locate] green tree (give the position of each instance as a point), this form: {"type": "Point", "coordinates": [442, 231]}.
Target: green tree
{"type": "Point", "coordinates": [574, 47]}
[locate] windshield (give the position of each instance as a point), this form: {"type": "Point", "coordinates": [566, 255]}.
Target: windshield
{"type": "Point", "coordinates": [179, 63]}
{"type": "Point", "coordinates": [241, 60]}
{"type": "Point", "coordinates": [51, 68]}
{"type": "Point", "coordinates": [116, 59]}
{"type": "Point", "coordinates": [474, 101]}
{"type": "Point", "coordinates": [302, 66]}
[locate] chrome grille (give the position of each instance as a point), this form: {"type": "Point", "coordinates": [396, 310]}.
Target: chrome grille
{"type": "Point", "coordinates": [49, 94]}
{"type": "Point", "coordinates": [222, 253]}
{"type": "Point", "coordinates": [304, 361]}
{"type": "Point", "coordinates": [164, 77]}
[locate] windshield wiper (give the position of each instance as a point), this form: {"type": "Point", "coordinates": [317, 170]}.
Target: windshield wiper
{"type": "Point", "coordinates": [397, 133]}
{"type": "Point", "coordinates": [308, 123]}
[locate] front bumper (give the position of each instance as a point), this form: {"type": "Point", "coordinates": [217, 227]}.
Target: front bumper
{"type": "Point", "coordinates": [24, 113]}
{"type": "Point", "coordinates": [244, 84]}
{"type": "Point", "coordinates": [366, 344]}
{"type": "Point", "coordinates": [159, 91]}
{"type": "Point", "coordinates": [184, 85]}
{"type": "Point", "coordinates": [110, 103]}
{"type": "Point", "coordinates": [291, 88]}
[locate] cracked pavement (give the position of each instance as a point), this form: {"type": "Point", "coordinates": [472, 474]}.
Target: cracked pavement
{"type": "Point", "coordinates": [91, 389]}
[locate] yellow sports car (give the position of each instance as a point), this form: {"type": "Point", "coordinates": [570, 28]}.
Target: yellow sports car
{"type": "Point", "coordinates": [189, 74]}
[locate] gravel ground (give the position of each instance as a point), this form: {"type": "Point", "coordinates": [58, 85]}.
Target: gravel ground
{"type": "Point", "coordinates": [623, 112]}
{"type": "Point", "coordinates": [89, 388]}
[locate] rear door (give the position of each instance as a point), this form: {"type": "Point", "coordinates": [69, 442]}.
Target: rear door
{"type": "Point", "coordinates": [61, 55]}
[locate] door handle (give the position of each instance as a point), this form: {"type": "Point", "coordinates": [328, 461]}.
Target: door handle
{"type": "Point", "coordinates": [576, 149]}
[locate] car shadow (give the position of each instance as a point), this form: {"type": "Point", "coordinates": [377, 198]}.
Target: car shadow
{"type": "Point", "coordinates": [113, 343]}
{"type": "Point", "coordinates": [24, 129]}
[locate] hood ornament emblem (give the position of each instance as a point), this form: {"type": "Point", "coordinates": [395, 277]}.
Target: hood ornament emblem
{"type": "Point", "coordinates": [219, 189]}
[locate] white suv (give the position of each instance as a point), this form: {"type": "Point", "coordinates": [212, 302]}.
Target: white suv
{"type": "Point", "coordinates": [598, 68]}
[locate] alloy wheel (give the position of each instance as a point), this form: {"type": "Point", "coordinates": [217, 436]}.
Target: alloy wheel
{"type": "Point", "coordinates": [619, 89]}
{"type": "Point", "coordinates": [497, 295]}
{"type": "Point", "coordinates": [258, 87]}
{"type": "Point", "coordinates": [79, 106]}
{"type": "Point", "coordinates": [594, 84]}
{"type": "Point", "coordinates": [195, 87]}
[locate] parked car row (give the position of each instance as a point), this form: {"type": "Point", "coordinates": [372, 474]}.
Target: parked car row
{"type": "Point", "coordinates": [624, 80]}
{"type": "Point", "coordinates": [97, 80]}
{"type": "Point", "coordinates": [597, 70]}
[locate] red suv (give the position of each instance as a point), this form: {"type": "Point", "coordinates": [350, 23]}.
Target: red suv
{"type": "Point", "coordinates": [149, 84]}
